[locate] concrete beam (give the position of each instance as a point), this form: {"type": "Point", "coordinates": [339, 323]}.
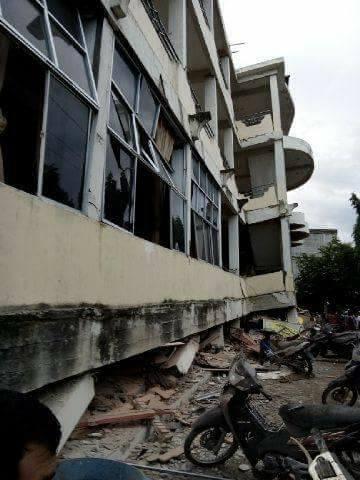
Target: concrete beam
{"type": "Point", "coordinates": [229, 146]}
{"type": "Point", "coordinates": [46, 346]}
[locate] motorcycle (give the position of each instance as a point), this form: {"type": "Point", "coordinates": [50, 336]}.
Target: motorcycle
{"type": "Point", "coordinates": [345, 389]}
{"type": "Point", "coordinates": [238, 423]}
{"type": "Point", "coordinates": [340, 344]}
{"type": "Point", "coordinates": [291, 353]}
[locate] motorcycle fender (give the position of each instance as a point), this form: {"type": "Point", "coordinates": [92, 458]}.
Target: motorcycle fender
{"type": "Point", "coordinates": [214, 416]}
{"type": "Point", "coordinates": [338, 382]}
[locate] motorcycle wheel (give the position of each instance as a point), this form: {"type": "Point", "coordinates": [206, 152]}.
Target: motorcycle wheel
{"type": "Point", "coordinates": [302, 364]}
{"type": "Point", "coordinates": [340, 395]}
{"type": "Point", "coordinates": [205, 440]}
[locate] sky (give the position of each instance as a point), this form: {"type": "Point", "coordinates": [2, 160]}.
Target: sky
{"type": "Point", "coordinates": [320, 41]}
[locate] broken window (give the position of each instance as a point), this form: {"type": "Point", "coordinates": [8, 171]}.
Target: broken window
{"type": "Point", "coordinates": [139, 132]}
{"type": "Point", "coordinates": [205, 213]}
{"type": "Point", "coordinates": [119, 183]}
{"type": "Point", "coordinates": [21, 107]}
{"type": "Point", "coordinates": [148, 108]}
{"type": "Point", "coordinates": [121, 119]}
{"type": "Point", "coordinates": [56, 32]}
{"type": "Point", "coordinates": [66, 145]}
{"type": "Point", "coordinates": [152, 214]}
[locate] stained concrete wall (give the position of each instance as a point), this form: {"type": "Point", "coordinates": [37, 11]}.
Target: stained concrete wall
{"type": "Point", "coordinates": [51, 255]}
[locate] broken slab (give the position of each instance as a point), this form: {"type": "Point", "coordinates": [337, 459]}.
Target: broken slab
{"type": "Point", "coordinates": [170, 454]}
{"type": "Point", "coordinates": [184, 356]}
{"type": "Point", "coordinates": [68, 401]}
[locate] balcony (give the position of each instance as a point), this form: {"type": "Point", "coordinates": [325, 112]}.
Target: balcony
{"type": "Point", "coordinates": [254, 103]}
{"type": "Point", "coordinates": [299, 162]}
{"type": "Point", "coordinates": [299, 229]}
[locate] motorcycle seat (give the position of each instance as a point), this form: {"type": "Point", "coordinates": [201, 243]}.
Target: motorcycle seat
{"type": "Point", "coordinates": [301, 419]}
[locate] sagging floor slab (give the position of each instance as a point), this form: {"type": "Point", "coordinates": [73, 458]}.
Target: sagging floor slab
{"type": "Point", "coordinates": [43, 345]}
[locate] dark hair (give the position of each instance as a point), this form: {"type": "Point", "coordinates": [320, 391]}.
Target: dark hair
{"type": "Point", "coordinates": [23, 419]}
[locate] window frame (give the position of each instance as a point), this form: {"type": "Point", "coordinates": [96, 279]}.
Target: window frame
{"type": "Point", "coordinates": [51, 61]}
{"type": "Point", "coordinates": [136, 150]}
{"type": "Point", "coordinates": [196, 184]}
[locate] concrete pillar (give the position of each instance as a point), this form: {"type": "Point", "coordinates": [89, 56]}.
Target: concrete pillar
{"type": "Point", "coordinates": [286, 244]}
{"type": "Point", "coordinates": [275, 104]}
{"type": "Point", "coordinates": [225, 66]}
{"type": "Point", "coordinates": [68, 402]}
{"type": "Point", "coordinates": [177, 28]}
{"type": "Point", "coordinates": [234, 247]}
{"type": "Point", "coordinates": [229, 146]}
{"type": "Point", "coordinates": [93, 189]}
{"type": "Point", "coordinates": [188, 163]}
{"type": "Point", "coordinates": [280, 171]}
{"type": "Point", "coordinates": [292, 317]}
{"type": "Point", "coordinates": [220, 233]}
{"type": "Point", "coordinates": [211, 103]}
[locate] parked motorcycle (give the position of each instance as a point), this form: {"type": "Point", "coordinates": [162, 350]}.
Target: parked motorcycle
{"type": "Point", "coordinates": [345, 389]}
{"type": "Point", "coordinates": [326, 340]}
{"type": "Point", "coordinates": [237, 422]}
{"type": "Point", "coordinates": [292, 353]}
{"type": "Point", "coordinates": [326, 465]}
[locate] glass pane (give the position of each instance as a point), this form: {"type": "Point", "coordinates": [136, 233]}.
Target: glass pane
{"type": "Point", "coordinates": [199, 233]}
{"type": "Point", "coordinates": [216, 195]}
{"type": "Point", "coordinates": [203, 177]}
{"type": "Point", "coordinates": [208, 250]}
{"type": "Point", "coordinates": [208, 206]}
{"type": "Point", "coordinates": [147, 107]}
{"type": "Point", "coordinates": [66, 144]}
{"type": "Point", "coordinates": [21, 101]}
{"type": "Point", "coordinates": [119, 180]}
{"type": "Point", "coordinates": [163, 171]}
{"type": "Point", "coordinates": [70, 59]}
{"type": "Point", "coordinates": [120, 120]}
{"type": "Point", "coordinates": [145, 150]}
{"type": "Point", "coordinates": [195, 168]}
{"type": "Point", "coordinates": [215, 215]}
{"type": "Point", "coordinates": [210, 189]}
{"type": "Point", "coordinates": [66, 13]}
{"type": "Point", "coordinates": [201, 203]}
{"type": "Point", "coordinates": [215, 241]}
{"type": "Point", "coordinates": [125, 76]}
{"type": "Point", "coordinates": [178, 222]}
{"type": "Point", "coordinates": [28, 20]}
{"type": "Point", "coordinates": [194, 192]}
{"type": "Point", "coordinates": [177, 163]}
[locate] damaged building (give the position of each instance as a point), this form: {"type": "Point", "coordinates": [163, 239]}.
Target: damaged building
{"type": "Point", "coordinates": [143, 183]}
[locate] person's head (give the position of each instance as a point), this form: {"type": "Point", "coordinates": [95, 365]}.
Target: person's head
{"type": "Point", "coordinates": [29, 437]}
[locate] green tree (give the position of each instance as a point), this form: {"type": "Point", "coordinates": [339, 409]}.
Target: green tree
{"type": "Point", "coordinates": [332, 276]}
{"type": "Point", "coordinates": [355, 202]}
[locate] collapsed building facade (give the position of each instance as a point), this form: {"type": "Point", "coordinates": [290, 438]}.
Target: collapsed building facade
{"type": "Point", "coordinates": [143, 183]}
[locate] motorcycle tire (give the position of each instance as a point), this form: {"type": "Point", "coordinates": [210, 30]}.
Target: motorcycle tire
{"type": "Point", "coordinates": [189, 444]}
{"type": "Point", "coordinates": [331, 390]}
{"type": "Point", "coordinates": [303, 365]}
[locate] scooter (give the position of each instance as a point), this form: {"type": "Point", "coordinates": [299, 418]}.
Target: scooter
{"type": "Point", "coordinates": [345, 389]}
{"type": "Point", "coordinates": [292, 353]}
{"type": "Point", "coordinates": [238, 423]}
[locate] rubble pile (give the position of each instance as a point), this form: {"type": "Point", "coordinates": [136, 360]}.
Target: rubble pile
{"type": "Point", "coordinates": [143, 410]}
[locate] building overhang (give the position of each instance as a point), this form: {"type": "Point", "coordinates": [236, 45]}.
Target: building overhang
{"type": "Point", "coordinates": [299, 162]}
{"type": "Point", "coordinates": [299, 229]}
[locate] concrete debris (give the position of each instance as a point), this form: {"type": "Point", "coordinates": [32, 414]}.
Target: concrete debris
{"type": "Point", "coordinates": [243, 467]}
{"type": "Point", "coordinates": [184, 356]}
{"type": "Point", "coordinates": [247, 343]}
{"type": "Point", "coordinates": [221, 360]}
{"type": "Point", "coordinates": [173, 453]}
{"type": "Point", "coordinates": [164, 394]}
